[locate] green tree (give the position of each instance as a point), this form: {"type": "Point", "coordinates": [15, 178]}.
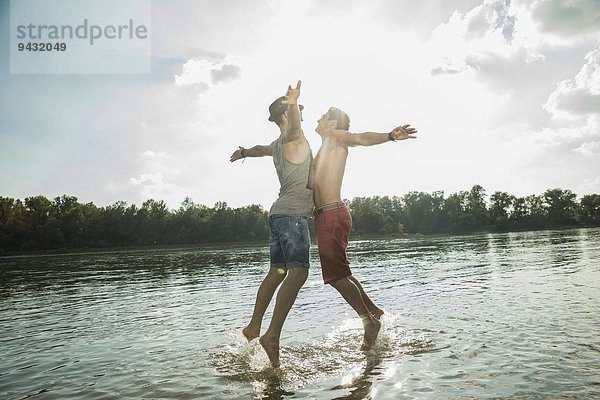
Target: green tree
{"type": "Point", "coordinates": [221, 223]}
{"type": "Point", "coordinates": [152, 221]}
{"type": "Point", "coordinates": [90, 233]}
{"type": "Point", "coordinates": [121, 226]}
{"type": "Point", "coordinates": [423, 212]}
{"type": "Point", "coordinates": [589, 209]}
{"type": "Point", "coordinates": [536, 211]}
{"type": "Point", "coordinates": [561, 206]}
{"type": "Point", "coordinates": [519, 210]}
{"type": "Point", "coordinates": [40, 223]}
{"type": "Point", "coordinates": [500, 203]}
{"type": "Point", "coordinates": [13, 228]}
{"type": "Point", "coordinates": [476, 205]}
{"type": "Point", "coordinates": [37, 215]}
{"type": "Point", "coordinates": [38, 210]}
{"type": "Point", "coordinates": [68, 213]}
{"type": "Point", "coordinates": [456, 210]}
{"type": "Point", "coordinates": [250, 223]}
{"type": "Point", "coordinates": [367, 218]}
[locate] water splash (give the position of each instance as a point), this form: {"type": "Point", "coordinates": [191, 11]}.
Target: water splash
{"type": "Point", "coordinates": [337, 354]}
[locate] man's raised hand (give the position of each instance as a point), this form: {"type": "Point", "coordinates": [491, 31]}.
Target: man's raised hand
{"type": "Point", "coordinates": [403, 132]}
{"type": "Point", "coordinates": [237, 155]}
{"type": "Point", "coordinates": [291, 96]}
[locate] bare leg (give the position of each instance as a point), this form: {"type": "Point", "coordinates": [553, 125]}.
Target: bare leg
{"type": "Point", "coordinates": [373, 309]}
{"type": "Point", "coordinates": [285, 299]}
{"type": "Point", "coordinates": [351, 293]}
{"type": "Point", "coordinates": [265, 293]}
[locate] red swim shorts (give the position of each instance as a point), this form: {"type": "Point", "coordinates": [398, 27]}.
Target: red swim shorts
{"type": "Point", "coordinates": [332, 228]}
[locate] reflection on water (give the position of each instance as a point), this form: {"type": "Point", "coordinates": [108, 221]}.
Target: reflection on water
{"type": "Point", "coordinates": [511, 315]}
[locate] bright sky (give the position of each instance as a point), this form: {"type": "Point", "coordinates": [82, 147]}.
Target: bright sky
{"type": "Point", "coordinates": [505, 94]}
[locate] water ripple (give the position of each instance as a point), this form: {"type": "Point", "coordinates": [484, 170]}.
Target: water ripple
{"type": "Point", "coordinates": [511, 315]}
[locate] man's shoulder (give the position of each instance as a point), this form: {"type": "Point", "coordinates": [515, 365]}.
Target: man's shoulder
{"type": "Point", "coordinates": [340, 137]}
{"type": "Point", "coordinates": [341, 132]}
{"type": "Point", "coordinates": [298, 138]}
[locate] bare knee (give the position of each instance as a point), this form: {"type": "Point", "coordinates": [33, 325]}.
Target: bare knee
{"type": "Point", "coordinates": [299, 274]}
{"type": "Point", "coordinates": [277, 274]}
{"type": "Point", "coordinates": [340, 283]}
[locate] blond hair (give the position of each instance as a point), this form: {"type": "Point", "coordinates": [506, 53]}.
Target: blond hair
{"type": "Point", "coordinates": [343, 121]}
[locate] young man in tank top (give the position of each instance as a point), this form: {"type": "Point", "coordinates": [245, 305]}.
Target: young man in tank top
{"type": "Point", "coordinates": [289, 239]}
{"type": "Point", "coordinates": [333, 222]}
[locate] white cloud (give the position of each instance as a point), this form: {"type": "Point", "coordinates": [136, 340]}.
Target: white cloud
{"type": "Point", "coordinates": [589, 186]}
{"type": "Point", "coordinates": [381, 77]}
{"type": "Point", "coordinates": [500, 44]}
{"type": "Point", "coordinates": [474, 88]}
{"type": "Point", "coordinates": [488, 29]}
{"type": "Point", "coordinates": [589, 149]}
{"type": "Point", "coordinates": [567, 18]}
{"type": "Point", "coordinates": [567, 157]}
{"type": "Point", "coordinates": [153, 186]}
{"type": "Point", "coordinates": [194, 72]}
{"type": "Point", "coordinates": [206, 72]}
{"type": "Point", "coordinates": [417, 17]}
{"type": "Point", "coordinates": [579, 95]}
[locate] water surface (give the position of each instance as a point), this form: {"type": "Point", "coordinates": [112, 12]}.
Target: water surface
{"type": "Point", "coordinates": [511, 315]}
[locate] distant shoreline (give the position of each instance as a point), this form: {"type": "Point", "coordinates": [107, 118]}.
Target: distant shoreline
{"type": "Point", "coordinates": [38, 225]}
{"type": "Point", "coordinates": [253, 243]}
{"type": "Point", "coordinates": [123, 249]}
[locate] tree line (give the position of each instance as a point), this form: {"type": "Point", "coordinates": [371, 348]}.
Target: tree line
{"type": "Point", "coordinates": [39, 223]}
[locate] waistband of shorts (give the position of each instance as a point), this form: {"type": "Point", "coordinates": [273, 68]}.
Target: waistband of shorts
{"type": "Point", "coordinates": [330, 206]}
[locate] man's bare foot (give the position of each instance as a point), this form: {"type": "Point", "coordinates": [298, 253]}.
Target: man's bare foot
{"type": "Point", "coordinates": [371, 331]}
{"type": "Point", "coordinates": [272, 349]}
{"type": "Point", "coordinates": [249, 334]}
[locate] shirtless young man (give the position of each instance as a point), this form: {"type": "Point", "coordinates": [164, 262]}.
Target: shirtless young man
{"type": "Point", "coordinates": [333, 222]}
{"type": "Point", "coordinates": [289, 238]}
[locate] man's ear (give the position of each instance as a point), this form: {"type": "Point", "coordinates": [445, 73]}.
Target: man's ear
{"type": "Point", "coordinates": [332, 123]}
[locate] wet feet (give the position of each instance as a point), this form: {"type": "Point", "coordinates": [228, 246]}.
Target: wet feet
{"type": "Point", "coordinates": [272, 349]}
{"type": "Point", "coordinates": [371, 331]}
{"type": "Point", "coordinates": [250, 334]}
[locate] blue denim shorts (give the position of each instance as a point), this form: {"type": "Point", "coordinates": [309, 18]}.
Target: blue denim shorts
{"type": "Point", "coordinates": [289, 241]}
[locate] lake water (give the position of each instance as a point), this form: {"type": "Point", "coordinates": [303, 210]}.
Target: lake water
{"type": "Point", "coordinates": [514, 315]}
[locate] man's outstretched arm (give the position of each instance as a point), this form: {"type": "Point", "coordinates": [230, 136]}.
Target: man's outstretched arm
{"type": "Point", "coordinates": [294, 131]}
{"type": "Point", "coordinates": [372, 138]}
{"type": "Point", "coordinates": [255, 151]}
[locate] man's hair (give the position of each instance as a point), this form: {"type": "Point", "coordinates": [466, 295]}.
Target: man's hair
{"type": "Point", "coordinates": [277, 109]}
{"type": "Point", "coordinates": [343, 121]}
